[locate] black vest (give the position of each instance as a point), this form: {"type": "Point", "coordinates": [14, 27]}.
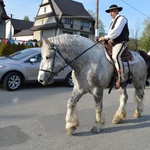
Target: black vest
{"type": "Point", "coordinates": [124, 36]}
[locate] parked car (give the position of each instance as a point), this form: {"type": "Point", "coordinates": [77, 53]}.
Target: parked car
{"type": "Point", "coordinates": [23, 66]}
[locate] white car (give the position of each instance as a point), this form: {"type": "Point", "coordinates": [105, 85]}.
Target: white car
{"type": "Point", "coordinates": [23, 66]}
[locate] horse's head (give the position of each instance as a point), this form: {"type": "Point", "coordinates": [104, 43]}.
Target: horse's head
{"type": "Point", "coordinates": [50, 64]}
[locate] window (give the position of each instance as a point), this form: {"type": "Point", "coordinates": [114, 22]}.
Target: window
{"type": "Point", "coordinates": [44, 9]}
{"type": "Point", "coordinates": [68, 32]}
{"type": "Point", "coordinates": [85, 35]}
{"type": "Point", "coordinates": [85, 24]}
{"type": "Point", "coordinates": [21, 54]}
{"type": "Point", "coordinates": [38, 57]}
{"type": "Point", "coordinates": [68, 21]}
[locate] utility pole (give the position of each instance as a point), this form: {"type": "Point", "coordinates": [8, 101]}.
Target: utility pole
{"type": "Point", "coordinates": [96, 21]}
{"type": "Point", "coordinates": [11, 15]}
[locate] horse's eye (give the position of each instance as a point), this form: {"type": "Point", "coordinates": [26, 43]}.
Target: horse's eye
{"type": "Point", "coordinates": [47, 57]}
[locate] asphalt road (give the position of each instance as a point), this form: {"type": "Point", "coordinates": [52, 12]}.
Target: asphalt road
{"type": "Point", "coordinates": [33, 118]}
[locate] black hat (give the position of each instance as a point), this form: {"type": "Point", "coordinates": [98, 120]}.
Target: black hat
{"type": "Point", "coordinates": [113, 7]}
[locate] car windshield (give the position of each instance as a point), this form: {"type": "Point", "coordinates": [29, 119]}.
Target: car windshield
{"type": "Point", "coordinates": [21, 54]}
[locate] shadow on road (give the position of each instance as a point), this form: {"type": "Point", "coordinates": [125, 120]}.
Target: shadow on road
{"type": "Point", "coordinates": [129, 124]}
{"type": "Point", "coordinates": [38, 85]}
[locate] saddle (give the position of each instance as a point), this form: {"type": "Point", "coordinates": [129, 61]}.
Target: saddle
{"type": "Point", "coordinates": [125, 57]}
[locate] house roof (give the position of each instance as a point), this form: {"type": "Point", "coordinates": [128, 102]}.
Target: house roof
{"type": "Point", "coordinates": [4, 14]}
{"type": "Point", "coordinates": [26, 32]}
{"type": "Point", "coordinates": [65, 8]}
{"type": "Point", "coordinates": [21, 24]}
{"type": "Point", "coordinates": [35, 28]}
{"type": "Point", "coordinates": [47, 26]}
{"type": "Point", "coordinates": [44, 15]}
{"type": "Point", "coordinates": [51, 26]}
{"type": "Point", "coordinates": [71, 8]}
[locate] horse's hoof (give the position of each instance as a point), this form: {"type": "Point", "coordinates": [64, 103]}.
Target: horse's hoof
{"type": "Point", "coordinates": [116, 120]}
{"type": "Point", "coordinates": [119, 118]}
{"type": "Point", "coordinates": [96, 130]}
{"type": "Point", "coordinates": [70, 131]}
{"type": "Point", "coordinates": [137, 115]}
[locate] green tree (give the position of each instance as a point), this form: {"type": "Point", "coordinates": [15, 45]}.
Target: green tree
{"type": "Point", "coordinates": [134, 37]}
{"type": "Point", "coordinates": [6, 49]}
{"type": "Point", "coordinates": [145, 38]}
{"type": "Point", "coordinates": [133, 44]}
{"type": "Point", "coordinates": [100, 23]}
{"type": "Point", "coordinates": [26, 18]}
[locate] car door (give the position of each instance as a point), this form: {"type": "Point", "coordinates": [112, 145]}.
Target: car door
{"type": "Point", "coordinates": [33, 67]}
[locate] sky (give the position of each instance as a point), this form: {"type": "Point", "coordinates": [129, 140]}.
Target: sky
{"type": "Point", "coordinates": [136, 11]}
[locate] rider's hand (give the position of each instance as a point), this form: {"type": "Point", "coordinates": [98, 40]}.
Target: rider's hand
{"type": "Point", "coordinates": [110, 42]}
{"type": "Point", "coordinates": [101, 39]}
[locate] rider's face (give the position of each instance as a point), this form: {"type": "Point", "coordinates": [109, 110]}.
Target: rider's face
{"type": "Point", "coordinates": [113, 13]}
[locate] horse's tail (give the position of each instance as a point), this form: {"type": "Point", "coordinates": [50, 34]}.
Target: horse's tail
{"type": "Point", "coordinates": [145, 56]}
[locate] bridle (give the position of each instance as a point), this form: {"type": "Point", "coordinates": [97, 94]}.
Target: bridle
{"type": "Point", "coordinates": [51, 72]}
{"type": "Point", "coordinates": [53, 47]}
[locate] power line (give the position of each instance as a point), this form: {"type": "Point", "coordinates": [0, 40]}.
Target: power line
{"type": "Point", "coordinates": [135, 9]}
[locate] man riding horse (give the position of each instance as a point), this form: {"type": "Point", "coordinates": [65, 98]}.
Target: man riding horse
{"type": "Point", "coordinates": [117, 37]}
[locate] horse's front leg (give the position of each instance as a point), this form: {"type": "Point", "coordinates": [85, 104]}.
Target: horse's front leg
{"type": "Point", "coordinates": [99, 120]}
{"type": "Point", "coordinates": [71, 116]}
{"type": "Point", "coordinates": [121, 113]}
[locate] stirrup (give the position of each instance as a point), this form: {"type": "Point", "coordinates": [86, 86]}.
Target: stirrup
{"type": "Point", "coordinates": [122, 84]}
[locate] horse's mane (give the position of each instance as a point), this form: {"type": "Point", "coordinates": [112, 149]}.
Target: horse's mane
{"type": "Point", "coordinates": [66, 39]}
{"type": "Point", "coordinates": [75, 41]}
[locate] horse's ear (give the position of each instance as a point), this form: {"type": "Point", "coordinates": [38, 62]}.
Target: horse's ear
{"type": "Point", "coordinates": [46, 41]}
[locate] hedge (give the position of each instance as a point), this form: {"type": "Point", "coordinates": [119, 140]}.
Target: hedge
{"type": "Point", "coordinates": [7, 49]}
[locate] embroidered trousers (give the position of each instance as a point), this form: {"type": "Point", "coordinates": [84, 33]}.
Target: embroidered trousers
{"type": "Point", "coordinates": [116, 56]}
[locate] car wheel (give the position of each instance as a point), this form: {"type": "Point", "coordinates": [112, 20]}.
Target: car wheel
{"type": "Point", "coordinates": [68, 81]}
{"type": "Point", "coordinates": [12, 81]}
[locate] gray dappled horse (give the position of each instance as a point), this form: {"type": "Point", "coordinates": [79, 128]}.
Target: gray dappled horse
{"type": "Point", "coordinates": [92, 73]}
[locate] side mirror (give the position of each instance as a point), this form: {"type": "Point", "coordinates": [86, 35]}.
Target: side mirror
{"type": "Point", "coordinates": [33, 60]}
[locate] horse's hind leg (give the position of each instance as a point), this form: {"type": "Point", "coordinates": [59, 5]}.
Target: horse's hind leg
{"type": "Point", "coordinates": [71, 116]}
{"type": "Point", "coordinates": [121, 113]}
{"type": "Point", "coordinates": [99, 120]}
{"type": "Point", "coordinates": [139, 95]}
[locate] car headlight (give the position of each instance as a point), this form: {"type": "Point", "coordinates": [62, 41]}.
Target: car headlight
{"type": "Point", "coordinates": [2, 66]}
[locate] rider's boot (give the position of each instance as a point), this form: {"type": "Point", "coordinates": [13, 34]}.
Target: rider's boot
{"type": "Point", "coordinates": [120, 80]}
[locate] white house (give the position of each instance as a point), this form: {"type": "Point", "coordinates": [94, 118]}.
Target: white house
{"type": "Point", "coordinates": [24, 35]}
{"type": "Point", "coordinates": [55, 17]}
{"type": "Point", "coordinates": [18, 29]}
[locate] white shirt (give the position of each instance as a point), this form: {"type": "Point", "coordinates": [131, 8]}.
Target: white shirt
{"type": "Point", "coordinates": [116, 31]}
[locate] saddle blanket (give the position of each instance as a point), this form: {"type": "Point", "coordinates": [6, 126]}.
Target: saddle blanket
{"type": "Point", "coordinates": [131, 62]}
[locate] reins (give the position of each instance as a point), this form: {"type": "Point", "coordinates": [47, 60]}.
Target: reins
{"type": "Point", "coordinates": [67, 64]}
